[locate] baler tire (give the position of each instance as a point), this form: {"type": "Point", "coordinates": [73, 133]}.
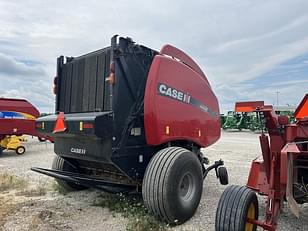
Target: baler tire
{"type": "Point", "coordinates": [20, 150]}
{"type": "Point", "coordinates": [236, 204]}
{"type": "Point", "coordinates": [223, 175]}
{"type": "Point", "coordinates": [172, 186]}
{"type": "Point", "coordinates": [61, 164]}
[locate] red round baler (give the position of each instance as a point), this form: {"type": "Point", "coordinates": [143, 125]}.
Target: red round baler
{"type": "Point", "coordinates": [17, 118]}
{"type": "Point", "coordinates": [129, 118]}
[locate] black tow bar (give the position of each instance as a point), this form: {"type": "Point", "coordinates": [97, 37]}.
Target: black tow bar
{"type": "Point", "coordinates": [87, 181]}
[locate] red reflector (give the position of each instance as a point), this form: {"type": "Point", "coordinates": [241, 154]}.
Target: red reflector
{"type": "Point", "coordinates": [112, 67]}
{"type": "Point", "coordinates": [55, 90]}
{"type": "Point", "coordinates": [55, 80]}
{"type": "Point", "coordinates": [87, 126]}
{"type": "Point", "coordinates": [55, 85]}
{"type": "Point", "coordinates": [111, 78]}
{"type": "Point", "coordinates": [60, 124]}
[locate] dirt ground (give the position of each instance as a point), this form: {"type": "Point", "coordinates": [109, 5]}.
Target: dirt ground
{"type": "Point", "coordinates": [36, 205]}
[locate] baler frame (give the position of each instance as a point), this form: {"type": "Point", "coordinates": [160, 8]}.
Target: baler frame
{"type": "Point", "coordinates": [274, 173]}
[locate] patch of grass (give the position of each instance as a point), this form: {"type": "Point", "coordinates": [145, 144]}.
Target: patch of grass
{"type": "Point", "coordinates": [35, 222]}
{"type": "Point", "coordinates": [59, 188]}
{"type": "Point", "coordinates": [6, 208]}
{"type": "Point", "coordinates": [130, 207]}
{"type": "Point", "coordinates": [8, 181]}
{"type": "Point", "coordinates": [40, 219]}
{"type": "Point", "coordinates": [39, 190]}
{"type": "Point", "coordinates": [145, 223]}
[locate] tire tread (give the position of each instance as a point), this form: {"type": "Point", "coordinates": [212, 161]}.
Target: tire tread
{"type": "Point", "coordinates": [156, 180]}
{"type": "Point", "coordinates": [232, 206]}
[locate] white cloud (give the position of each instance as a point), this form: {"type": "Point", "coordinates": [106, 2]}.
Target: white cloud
{"type": "Point", "coordinates": [239, 43]}
{"type": "Point", "coordinates": [233, 41]}
{"type": "Point", "coordinates": [10, 66]}
{"type": "Point", "coordinates": [290, 93]}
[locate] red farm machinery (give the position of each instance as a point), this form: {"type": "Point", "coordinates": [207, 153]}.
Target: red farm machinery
{"type": "Point", "coordinates": [17, 118]}
{"type": "Point", "coordinates": [132, 119]}
{"type": "Point", "coordinates": [280, 173]}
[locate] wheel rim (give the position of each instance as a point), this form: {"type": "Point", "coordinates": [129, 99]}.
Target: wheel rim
{"type": "Point", "coordinates": [20, 150]}
{"type": "Point", "coordinates": [187, 187]}
{"type": "Point", "coordinates": [251, 215]}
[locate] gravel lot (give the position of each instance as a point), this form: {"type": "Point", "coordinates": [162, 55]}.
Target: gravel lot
{"type": "Point", "coordinates": [75, 211]}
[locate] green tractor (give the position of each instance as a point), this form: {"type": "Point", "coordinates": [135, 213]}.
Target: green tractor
{"type": "Point", "coordinates": [256, 123]}
{"type": "Point", "coordinates": [222, 120]}
{"type": "Point", "coordinates": [286, 111]}
{"type": "Point", "coordinates": [236, 121]}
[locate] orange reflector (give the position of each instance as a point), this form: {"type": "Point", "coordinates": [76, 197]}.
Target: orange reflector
{"type": "Point", "coordinates": [248, 106]}
{"type": "Point", "coordinates": [167, 130]}
{"type": "Point", "coordinates": [301, 111]}
{"type": "Point", "coordinates": [60, 124]}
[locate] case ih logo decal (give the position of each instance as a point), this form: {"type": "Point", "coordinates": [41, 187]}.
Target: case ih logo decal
{"type": "Point", "coordinates": [170, 92]}
{"type": "Point", "coordinates": [78, 150]}
{"type": "Point", "coordinates": [164, 90]}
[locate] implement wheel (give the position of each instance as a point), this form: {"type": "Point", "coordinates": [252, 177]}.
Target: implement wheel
{"type": "Point", "coordinates": [223, 175]}
{"type": "Point", "coordinates": [62, 165]}
{"type": "Point", "coordinates": [236, 205]}
{"type": "Point", "coordinates": [1, 150]}
{"type": "Point", "coordinates": [172, 186]}
{"type": "Point", "coordinates": [20, 150]}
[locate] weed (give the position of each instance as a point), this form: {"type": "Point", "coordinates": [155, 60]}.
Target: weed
{"type": "Point", "coordinates": [39, 190]}
{"type": "Point", "coordinates": [8, 181]}
{"type": "Point", "coordinates": [145, 223]}
{"type": "Point", "coordinates": [6, 208]}
{"type": "Point", "coordinates": [130, 207]}
{"type": "Point", "coordinates": [59, 188]}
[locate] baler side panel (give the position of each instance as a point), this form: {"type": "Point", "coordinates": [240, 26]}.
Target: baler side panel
{"type": "Point", "coordinates": [191, 114]}
{"type": "Point", "coordinates": [17, 127]}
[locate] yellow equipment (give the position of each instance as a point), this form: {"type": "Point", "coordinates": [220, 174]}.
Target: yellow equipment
{"type": "Point", "coordinates": [13, 143]}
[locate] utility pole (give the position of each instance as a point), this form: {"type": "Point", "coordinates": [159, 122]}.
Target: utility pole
{"type": "Point", "coordinates": [277, 93]}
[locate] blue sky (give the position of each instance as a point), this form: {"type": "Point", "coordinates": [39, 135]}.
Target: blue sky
{"type": "Point", "coordinates": [294, 70]}
{"type": "Point", "coordinates": [248, 49]}
{"type": "Point", "coordinates": [289, 79]}
{"type": "Point", "coordinates": [292, 74]}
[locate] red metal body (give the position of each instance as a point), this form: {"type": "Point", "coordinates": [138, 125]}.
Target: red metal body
{"type": "Point", "coordinates": [179, 103]}
{"type": "Point", "coordinates": [274, 173]}
{"type": "Point", "coordinates": [22, 125]}
{"type": "Point", "coordinates": [18, 105]}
